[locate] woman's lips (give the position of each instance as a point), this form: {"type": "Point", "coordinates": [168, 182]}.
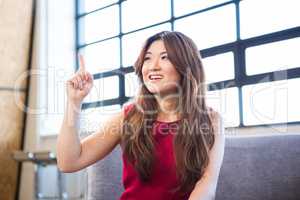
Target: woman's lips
{"type": "Point", "coordinates": [155, 77]}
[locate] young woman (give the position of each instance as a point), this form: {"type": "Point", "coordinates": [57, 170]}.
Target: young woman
{"type": "Point", "coordinates": [172, 143]}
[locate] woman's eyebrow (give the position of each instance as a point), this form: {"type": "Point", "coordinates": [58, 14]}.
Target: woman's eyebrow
{"type": "Point", "coordinates": [148, 52]}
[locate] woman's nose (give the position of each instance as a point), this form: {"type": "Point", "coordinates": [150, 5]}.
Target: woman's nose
{"type": "Point", "coordinates": [155, 64]}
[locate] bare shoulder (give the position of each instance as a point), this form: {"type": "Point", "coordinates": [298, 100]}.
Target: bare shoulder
{"type": "Point", "coordinates": [213, 114]}
{"type": "Point", "coordinates": [217, 122]}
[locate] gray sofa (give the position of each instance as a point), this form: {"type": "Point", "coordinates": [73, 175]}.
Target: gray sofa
{"type": "Point", "coordinates": [254, 168]}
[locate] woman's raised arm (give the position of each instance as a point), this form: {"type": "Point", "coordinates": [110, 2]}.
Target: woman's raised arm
{"type": "Point", "coordinates": [73, 154]}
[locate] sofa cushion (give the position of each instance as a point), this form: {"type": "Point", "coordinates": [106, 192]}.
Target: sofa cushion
{"type": "Point", "coordinates": [105, 177]}
{"type": "Point", "coordinates": [260, 167]}
{"type": "Point", "coordinates": [254, 168]}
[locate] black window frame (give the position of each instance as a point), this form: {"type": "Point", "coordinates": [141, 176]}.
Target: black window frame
{"type": "Point", "coordinates": [237, 47]}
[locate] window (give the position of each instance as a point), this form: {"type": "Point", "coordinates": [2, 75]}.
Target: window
{"type": "Point", "coordinates": [225, 101]}
{"type": "Point", "coordinates": [56, 37]}
{"type": "Point", "coordinates": [90, 5]}
{"type": "Point", "coordinates": [143, 11]}
{"type": "Point", "coordinates": [262, 17]}
{"type": "Point", "coordinates": [242, 52]}
{"type": "Point", "coordinates": [211, 28]}
{"type": "Point", "coordinates": [221, 63]}
{"type": "Point", "coordinates": [131, 84]}
{"type": "Point", "coordinates": [271, 102]}
{"type": "Point", "coordinates": [273, 56]}
{"type": "Point", "coordinates": [102, 56]}
{"type": "Point", "coordinates": [95, 26]}
{"type": "Point", "coordinates": [182, 7]}
{"type": "Point", "coordinates": [103, 89]}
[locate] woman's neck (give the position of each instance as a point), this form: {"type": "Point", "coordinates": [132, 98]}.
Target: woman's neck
{"type": "Point", "coordinates": [168, 108]}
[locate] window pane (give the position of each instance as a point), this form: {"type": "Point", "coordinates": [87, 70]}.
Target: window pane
{"type": "Point", "coordinates": [92, 25]}
{"type": "Point", "coordinates": [182, 7]}
{"type": "Point", "coordinates": [293, 100]}
{"type": "Point", "coordinates": [131, 84]}
{"type": "Point", "coordinates": [273, 56]}
{"type": "Point", "coordinates": [261, 17]}
{"type": "Point", "coordinates": [132, 43]}
{"type": "Point", "coordinates": [211, 28]}
{"type": "Point", "coordinates": [103, 89]}
{"type": "Point", "coordinates": [226, 102]}
{"type": "Point", "coordinates": [90, 5]}
{"type": "Point", "coordinates": [50, 123]}
{"type": "Point", "coordinates": [102, 56]}
{"type": "Point", "coordinates": [137, 14]}
{"type": "Point", "coordinates": [272, 102]}
{"type": "Point", "coordinates": [219, 67]}
{"type": "Point", "coordinates": [93, 119]}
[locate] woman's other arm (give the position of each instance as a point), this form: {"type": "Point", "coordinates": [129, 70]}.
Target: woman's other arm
{"type": "Point", "coordinates": [205, 188]}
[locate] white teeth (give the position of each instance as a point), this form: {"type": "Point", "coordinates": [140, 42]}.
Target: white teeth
{"type": "Point", "coordinates": [155, 77]}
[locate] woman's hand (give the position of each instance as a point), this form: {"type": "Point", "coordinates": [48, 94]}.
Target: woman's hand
{"type": "Point", "coordinates": [80, 84]}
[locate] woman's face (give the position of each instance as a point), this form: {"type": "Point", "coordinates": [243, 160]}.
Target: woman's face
{"type": "Point", "coordinates": [159, 74]}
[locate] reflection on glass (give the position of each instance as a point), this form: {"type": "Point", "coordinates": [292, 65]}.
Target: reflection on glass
{"type": "Point", "coordinates": [137, 14]}
{"type": "Point", "coordinates": [273, 56]}
{"type": "Point", "coordinates": [99, 25]}
{"type": "Point", "coordinates": [103, 89]}
{"type": "Point", "coordinates": [182, 7]}
{"type": "Point", "coordinates": [226, 102]}
{"type": "Point", "coordinates": [211, 28]}
{"type": "Point", "coordinates": [131, 84]}
{"type": "Point", "coordinates": [272, 102]}
{"type": "Point", "coordinates": [261, 17]}
{"type": "Point", "coordinates": [132, 43]}
{"type": "Point", "coordinates": [102, 56]}
{"type": "Point", "coordinates": [219, 67]}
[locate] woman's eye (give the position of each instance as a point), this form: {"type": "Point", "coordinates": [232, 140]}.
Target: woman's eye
{"type": "Point", "coordinates": [164, 57]}
{"type": "Point", "coordinates": [146, 58]}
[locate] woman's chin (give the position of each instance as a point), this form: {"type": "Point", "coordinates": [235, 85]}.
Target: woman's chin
{"type": "Point", "coordinates": [161, 92]}
{"type": "Point", "coordinates": [158, 90]}
{"type": "Point", "coordinates": [154, 90]}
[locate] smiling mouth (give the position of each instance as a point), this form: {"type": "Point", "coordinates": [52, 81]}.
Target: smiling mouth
{"type": "Point", "coordinates": [155, 77]}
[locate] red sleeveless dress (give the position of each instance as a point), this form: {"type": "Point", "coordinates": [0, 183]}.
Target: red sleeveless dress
{"type": "Point", "coordinates": [164, 177]}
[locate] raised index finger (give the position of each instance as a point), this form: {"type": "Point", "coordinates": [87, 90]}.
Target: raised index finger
{"type": "Point", "coordinates": [81, 63]}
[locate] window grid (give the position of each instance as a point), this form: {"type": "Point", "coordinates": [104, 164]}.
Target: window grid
{"type": "Point", "coordinates": [238, 48]}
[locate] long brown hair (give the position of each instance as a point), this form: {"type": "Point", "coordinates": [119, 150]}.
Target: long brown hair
{"type": "Point", "coordinates": [195, 135]}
